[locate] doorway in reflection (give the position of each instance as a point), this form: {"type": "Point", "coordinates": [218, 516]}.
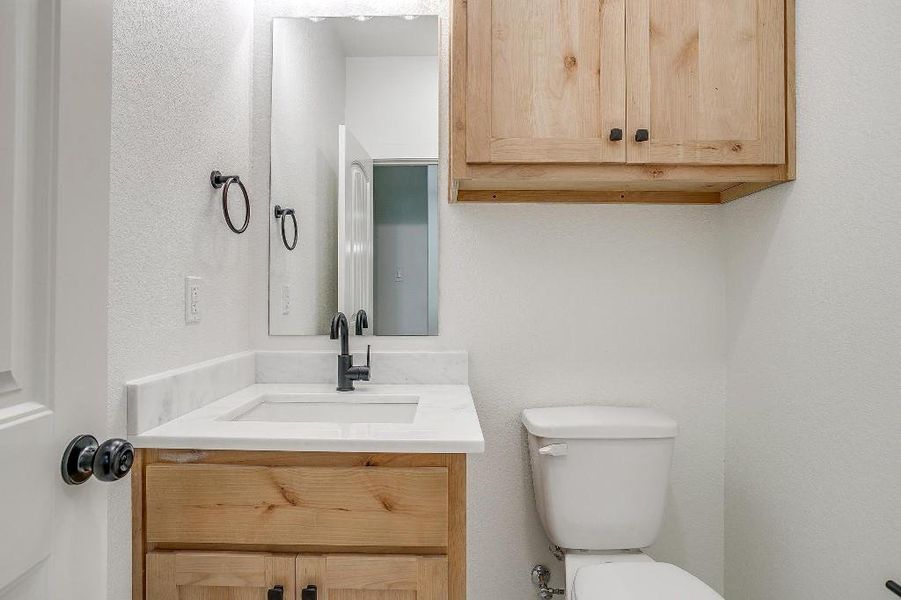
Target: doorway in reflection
{"type": "Point", "coordinates": [405, 270]}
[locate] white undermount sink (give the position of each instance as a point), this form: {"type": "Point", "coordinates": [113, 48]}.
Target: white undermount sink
{"type": "Point", "coordinates": [335, 407]}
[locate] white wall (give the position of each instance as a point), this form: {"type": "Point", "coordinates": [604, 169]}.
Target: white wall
{"type": "Point", "coordinates": [814, 278]}
{"type": "Point", "coordinates": [392, 105]}
{"type": "Point", "coordinates": [180, 108]}
{"type": "Point", "coordinates": [308, 82]}
{"type": "Point", "coordinates": [556, 305]}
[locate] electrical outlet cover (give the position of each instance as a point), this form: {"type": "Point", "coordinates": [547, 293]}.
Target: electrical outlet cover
{"type": "Point", "coordinates": [192, 299]}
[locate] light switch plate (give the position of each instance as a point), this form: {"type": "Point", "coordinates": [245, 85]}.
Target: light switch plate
{"type": "Point", "coordinates": [192, 299]}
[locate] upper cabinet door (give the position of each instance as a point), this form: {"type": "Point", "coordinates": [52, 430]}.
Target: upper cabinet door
{"type": "Point", "coordinates": [706, 80]}
{"type": "Point", "coordinates": [545, 81]}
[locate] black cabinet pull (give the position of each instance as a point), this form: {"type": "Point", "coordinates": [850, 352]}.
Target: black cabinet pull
{"type": "Point", "coordinates": [308, 593]}
{"type": "Point", "coordinates": [276, 593]}
{"type": "Point", "coordinates": [642, 135]}
{"type": "Point", "coordinates": [894, 587]}
{"type": "Point", "coordinates": [616, 135]}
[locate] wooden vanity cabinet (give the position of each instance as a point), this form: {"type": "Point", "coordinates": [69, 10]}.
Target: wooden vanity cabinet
{"type": "Point", "coordinates": [232, 525]}
{"type": "Point", "coordinates": [345, 577]}
{"type": "Point", "coordinates": [190, 575]}
{"type": "Point", "coordinates": [219, 575]}
{"type": "Point", "coordinates": [621, 100]}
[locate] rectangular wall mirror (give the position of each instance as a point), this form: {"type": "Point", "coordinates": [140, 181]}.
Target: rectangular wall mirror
{"type": "Point", "coordinates": [354, 174]}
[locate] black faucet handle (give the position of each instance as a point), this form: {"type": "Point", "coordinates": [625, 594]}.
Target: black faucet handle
{"type": "Point", "coordinates": [362, 322]}
{"type": "Point", "coordinates": [368, 355]}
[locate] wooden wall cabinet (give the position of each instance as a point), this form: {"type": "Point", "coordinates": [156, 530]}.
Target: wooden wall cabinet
{"type": "Point", "coordinates": [687, 101]}
{"type": "Point", "coordinates": [233, 525]}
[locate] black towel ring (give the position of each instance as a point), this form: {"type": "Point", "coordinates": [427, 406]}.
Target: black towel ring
{"type": "Point", "coordinates": [280, 214]}
{"type": "Point", "coordinates": [218, 180]}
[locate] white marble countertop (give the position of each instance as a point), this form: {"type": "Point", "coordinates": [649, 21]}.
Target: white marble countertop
{"type": "Point", "coordinates": [445, 422]}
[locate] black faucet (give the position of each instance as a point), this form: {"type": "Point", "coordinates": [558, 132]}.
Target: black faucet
{"type": "Point", "coordinates": [347, 372]}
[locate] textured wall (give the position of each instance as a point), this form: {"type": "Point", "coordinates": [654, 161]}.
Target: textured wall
{"type": "Point", "coordinates": [309, 73]}
{"type": "Point", "coordinates": [556, 305]}
{"type": "Point", "coordinates": [814, 313]}
{"type": "Point", "coordinates": [181, 108]}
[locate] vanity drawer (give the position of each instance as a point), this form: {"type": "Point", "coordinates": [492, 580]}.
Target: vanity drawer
{"type": "Point", "coordinates": [334, 507]}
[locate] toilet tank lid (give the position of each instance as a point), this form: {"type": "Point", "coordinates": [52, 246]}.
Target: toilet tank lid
{"type": "Point", "coordinates": [639, 581]}
{"type": "Point", "coordinates": [598, 422]}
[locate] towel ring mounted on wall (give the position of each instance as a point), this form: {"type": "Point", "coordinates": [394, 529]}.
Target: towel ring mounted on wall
{"type": "Point", "coordinates": [281, 214]}
{"type": "Point", "coordinates": [218, 180]}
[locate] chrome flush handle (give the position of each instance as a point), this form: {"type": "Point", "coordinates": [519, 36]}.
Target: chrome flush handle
{"type": "Point", "coordinates": [554, 450]}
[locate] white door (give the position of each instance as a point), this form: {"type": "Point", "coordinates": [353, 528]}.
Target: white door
{"type": "Point", "coordinates": [354, 226]}
{"type": "Point", "coordinates": [54, 194]}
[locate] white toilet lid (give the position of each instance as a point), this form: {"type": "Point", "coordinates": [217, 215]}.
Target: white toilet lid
{"type": "Point", "coordinates": [639, 581]}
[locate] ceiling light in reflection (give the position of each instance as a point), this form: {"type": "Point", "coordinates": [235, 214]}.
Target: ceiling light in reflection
{"type": "Point", "coordinates": [316, 19]}
{"type": "Point", "coordinates": [362, 18]}
{"type": "Point", "coordinates": [410, 17]}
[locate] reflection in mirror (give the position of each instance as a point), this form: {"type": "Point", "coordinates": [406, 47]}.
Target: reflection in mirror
{"type": "Point", "coordinates": [354, 151]}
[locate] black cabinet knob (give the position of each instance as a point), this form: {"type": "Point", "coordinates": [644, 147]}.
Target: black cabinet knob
{"type": "Point", "coordinates": [616, 135]}
{"type": "Point", "coordinates": [276, 593]}
{"type": "Point", "coordinates": [308, 593]}
{"type": "Point", "coordinates": [642, 135]}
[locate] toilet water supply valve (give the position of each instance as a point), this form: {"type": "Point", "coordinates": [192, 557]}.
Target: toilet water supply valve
{"type": "Point", "coordinates": [541, 575]}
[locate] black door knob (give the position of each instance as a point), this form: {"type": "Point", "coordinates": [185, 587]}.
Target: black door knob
{"type": "Point", "coordinates": [616, 135]}
{"type": "Point", "coordinates": [642, 135]}
{"type": "Point", "coordinates": [108, 461]}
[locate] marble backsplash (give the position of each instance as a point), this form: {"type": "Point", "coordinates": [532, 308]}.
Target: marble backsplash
{"type": "Point", "coordinates": [387, 367]}
{"type": "Point", "coordinates": [160, 398]}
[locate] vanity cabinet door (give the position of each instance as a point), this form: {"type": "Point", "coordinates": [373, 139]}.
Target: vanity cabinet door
{"type": "Point", "coordinates": [706, 81]}
{"type": "Point", "coordinates": [220, 576]}
{"type": "Point", "coordinates": [356, 577]}
{"type": "Point", "coordinates": [545, 81]}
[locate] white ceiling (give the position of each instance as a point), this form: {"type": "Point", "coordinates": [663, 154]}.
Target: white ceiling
{"type": "Point", "coordinates": [386, 36]}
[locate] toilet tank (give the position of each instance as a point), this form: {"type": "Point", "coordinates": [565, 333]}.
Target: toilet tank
{"type": "Point", "coordinates": [600, 474]}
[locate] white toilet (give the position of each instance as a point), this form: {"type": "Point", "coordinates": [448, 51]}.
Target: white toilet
{"type": "Point", "coordinates": [600, 476]}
